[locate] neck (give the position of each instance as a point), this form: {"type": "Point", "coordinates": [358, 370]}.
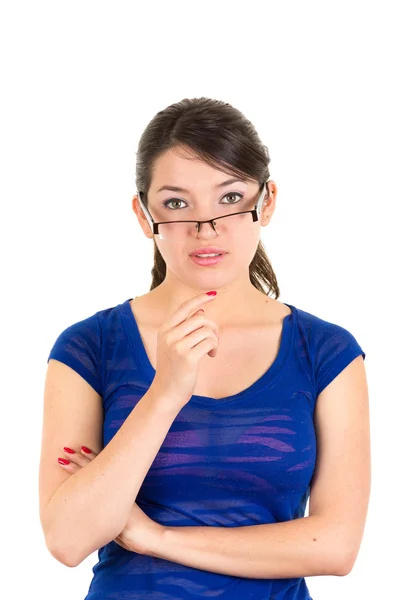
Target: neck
{"type": "Point", "coordinates": [229, 306]}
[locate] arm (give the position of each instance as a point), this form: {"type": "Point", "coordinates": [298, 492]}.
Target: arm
{"type": "Point", "coordinates": [328, 540]}
{"type": "Point", "coordinates": [299, 548]}
{"type": "Point", "coordinates": [82, 512]}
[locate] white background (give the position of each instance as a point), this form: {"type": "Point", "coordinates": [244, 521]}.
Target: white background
{"type": "Point", "coordinates": [80, 81]}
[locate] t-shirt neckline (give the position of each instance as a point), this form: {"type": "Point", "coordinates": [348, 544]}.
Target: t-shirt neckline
{"type": "Point", "coordinates": [286, 343]}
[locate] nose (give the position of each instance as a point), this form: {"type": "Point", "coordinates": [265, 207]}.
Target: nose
{"type": "Point", "coordinates": [207, 227]}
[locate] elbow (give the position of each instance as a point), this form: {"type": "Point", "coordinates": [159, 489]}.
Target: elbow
{"type": "Point", "coordinates": [346, 564]}
{"type": "Point", "coordinates": [70, 553]}
{"type": "Point", "coordinates": [339, 553]}
{"type": "Point", "coordinates": [71, 545]}
{"type": "Point", "coordinates": [60, 545]}
{"type": "Point", "coordinates": [61, 552]}
{"type": "Point", "coordinates": [334, 562]}
{"type": "Point", "coordinates": [62, 556]}
{"type": "Point", "coordinates": [337, 563]}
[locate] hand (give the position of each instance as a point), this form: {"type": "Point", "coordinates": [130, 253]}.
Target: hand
{"type": "Point", "coordinates": [140, 534]}
{"type": "Point", "coordinates": [182, 341]}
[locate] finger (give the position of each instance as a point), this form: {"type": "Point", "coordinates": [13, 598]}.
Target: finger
{"type": "Point", "coordinates": [207, 321]}
{"type": "Point", "coordinates": [67, 465]}
{"type": "Point", "coordinates": [75, 457]}
{"type": "Point", "coordinates": [88, 452]}
{"type": "Point", "coordinates": [186, 309]}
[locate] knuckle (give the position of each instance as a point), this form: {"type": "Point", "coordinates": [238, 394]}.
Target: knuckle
{"type": "Point", "coordinates": [179, 349]}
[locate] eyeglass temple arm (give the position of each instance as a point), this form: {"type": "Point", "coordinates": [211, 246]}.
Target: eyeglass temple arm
{"type": "Point", "coordinates": [145, 210]}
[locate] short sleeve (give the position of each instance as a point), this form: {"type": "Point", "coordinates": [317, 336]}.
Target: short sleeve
{"type": "Point", "coordinates": [79, 347]}
{"type": "Point", "coordinates": [335, 348]}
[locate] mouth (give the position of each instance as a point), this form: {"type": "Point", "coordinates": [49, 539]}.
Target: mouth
{"type": "Point", "coordinates": [208, 250]}
{"type": "Point", "coordinates": [207, 261]}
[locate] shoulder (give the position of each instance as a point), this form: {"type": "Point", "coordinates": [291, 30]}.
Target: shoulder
{"type": "Point", "coordinates": [80, 344]}
{"type": "Point", "coordinates": [322, 331]}
{"type": "Point", "coordinates": [331, 346]}
{"type": "Point", "coordinates": [88, 327]}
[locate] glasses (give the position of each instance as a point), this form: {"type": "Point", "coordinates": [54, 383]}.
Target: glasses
{"type": "Point", "coordinates": [235, 224]}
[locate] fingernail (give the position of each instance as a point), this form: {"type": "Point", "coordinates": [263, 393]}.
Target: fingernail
{"type": "Point", "coordinates": [63, 461]}
{"type": "Point", "coordinates": [200, 310]}
{"type": "Point", "coordinates": [211, 293]}
{"type": "Point", "coordinates": [86, 450]}
{"type": "Point", "coordinates": [69, 450]}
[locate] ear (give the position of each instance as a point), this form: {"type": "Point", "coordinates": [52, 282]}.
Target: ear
{"type": "Point", "coordinates": [136, 207]}
{"type": "Point", "coordinates": [269, 204]}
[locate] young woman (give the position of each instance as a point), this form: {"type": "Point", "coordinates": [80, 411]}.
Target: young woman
{"type": "Point", "coordinates": [185, 429]}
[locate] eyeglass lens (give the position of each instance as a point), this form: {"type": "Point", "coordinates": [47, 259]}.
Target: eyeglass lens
{"type": "Point", "coordinates": [228, 225]}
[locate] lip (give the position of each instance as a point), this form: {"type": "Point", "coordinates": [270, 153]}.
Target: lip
{"type": "Point", "coordinates": [208, 250]}
{"type": "Point", "coordinates": [204, 262]}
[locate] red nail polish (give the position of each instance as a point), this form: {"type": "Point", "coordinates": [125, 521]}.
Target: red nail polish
{"type": "Point", "coordinates": [69, 450]}
{"type": "Point", "coordinates": [211, 293]}
{"type": "Point", "coordinates": [86, 450]}
{"type": "Point", "coordinates": [63, 461]}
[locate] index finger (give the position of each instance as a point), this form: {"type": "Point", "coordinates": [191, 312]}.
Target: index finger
{"type": "Point", "coordinates": [185, 310]}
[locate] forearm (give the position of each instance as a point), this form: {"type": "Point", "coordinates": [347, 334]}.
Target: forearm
{"type": "Point", "coordinates": [93, 505]}
{"type": "Point", "coordinates": [299, 548]}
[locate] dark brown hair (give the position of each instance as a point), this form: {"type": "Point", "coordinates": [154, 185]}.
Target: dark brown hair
{"type": "Point", "coordinates": [224, 138]}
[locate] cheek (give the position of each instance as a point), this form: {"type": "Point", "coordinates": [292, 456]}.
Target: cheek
{"type": "Point", "coordinates": [171, 253]}
{"type": "Point", "coordinates": [244, 248]}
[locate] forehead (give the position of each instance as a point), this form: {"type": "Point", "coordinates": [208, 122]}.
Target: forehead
{"type": "Point", "coordinates": [182, 168]}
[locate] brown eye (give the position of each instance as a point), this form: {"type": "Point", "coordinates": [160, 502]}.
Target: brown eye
{"type": "Point", "coordinates": [171, 200]}
{"type": "Point", "coordinates": [233, 194]}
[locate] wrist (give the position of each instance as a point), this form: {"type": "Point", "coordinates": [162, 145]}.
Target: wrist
{"type": "Point", "coordinates": [157, 542]}
{"type": "Point", "coordinates": [164, 403]}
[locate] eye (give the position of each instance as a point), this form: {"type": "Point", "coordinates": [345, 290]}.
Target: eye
{"type": "Point", "coordinates": [233, 194]}
{"type": "Point", "coordinates": [172, 200]}
{"type": "Point", "coordinates": [236, 194]}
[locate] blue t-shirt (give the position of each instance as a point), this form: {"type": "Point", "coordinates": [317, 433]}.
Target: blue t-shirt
{"type": "Point", "coordinates": [247, 459]}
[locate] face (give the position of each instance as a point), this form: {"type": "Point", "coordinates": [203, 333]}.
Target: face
{"type": "Point", "coordinates": [202, 200]}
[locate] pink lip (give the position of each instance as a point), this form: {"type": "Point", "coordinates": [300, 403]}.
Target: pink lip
{"type": "Point", "coordinates": [213, 260]}
{"type": "Point", "coordinates": [208, 251]}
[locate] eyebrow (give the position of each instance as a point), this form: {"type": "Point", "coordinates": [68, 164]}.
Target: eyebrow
{"type": "Point", "coordinates": [173, 188]}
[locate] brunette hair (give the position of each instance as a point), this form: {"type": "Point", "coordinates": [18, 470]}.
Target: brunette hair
{"type": "Point", "coordinates": [224, 138]}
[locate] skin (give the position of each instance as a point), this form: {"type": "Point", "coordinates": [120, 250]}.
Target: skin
{"type": "Point", "coordinates": [184, 279]}
{"type": "Point", "coordinates": [140, 534]}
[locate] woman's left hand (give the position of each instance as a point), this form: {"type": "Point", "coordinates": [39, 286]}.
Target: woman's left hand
{"type": "Point", "coordinates": [140, 534]}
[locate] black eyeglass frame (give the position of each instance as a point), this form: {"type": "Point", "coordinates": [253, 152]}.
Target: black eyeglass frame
{"type": "Point", "coordinates": [255, 212]}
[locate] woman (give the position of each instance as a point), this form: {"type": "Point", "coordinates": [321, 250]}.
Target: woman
{"type": "Point", "coordinates": [191, 428]}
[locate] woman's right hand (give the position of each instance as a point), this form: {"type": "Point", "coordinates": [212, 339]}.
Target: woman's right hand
{"type": "Point", "coordinates": [182, 341]}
